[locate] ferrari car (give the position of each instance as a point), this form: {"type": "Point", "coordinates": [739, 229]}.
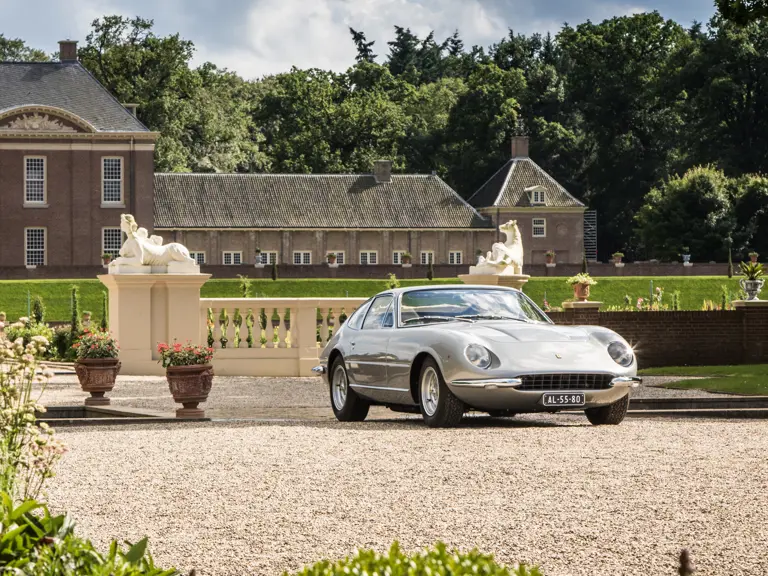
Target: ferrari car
{"type": "Point", "coordinates": [444, 351]}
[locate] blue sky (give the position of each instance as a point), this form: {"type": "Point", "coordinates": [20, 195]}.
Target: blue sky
{"type": "Point", "coordinates": [257, 37]}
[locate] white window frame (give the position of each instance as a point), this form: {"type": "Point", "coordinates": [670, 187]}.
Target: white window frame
{"type": "Point", "coordinates": [368, 254]}
{"type": "Point", "coordinates": [455, 257]}
{"type": "Point", "coordinates": [115, 253]}
{"type": "Point", "coordinates": [194, 254]}
{"type": "Point", "coordinates": [538, 196]}
{"type": "Point", "coordinates": [427, 256]}
{"type": "Point", "coordinates": [104, 180]}
{"type": "Point", "coordinates": [268, 257]}
{"type": "Point", "coordinates": [44, 201]}
{"type": "Point", "coordinates": [232, 254]}
{"type": "Point", "coordinates": [397, 256]}
{"type": "Point", "coordinates": [539, 223]}
{"type": "Point", "coordinates": [305, 258]}
{"type": "Point", "coordinates": [26, 245]}
{"type": "Point", "coordinates": [340, 256]}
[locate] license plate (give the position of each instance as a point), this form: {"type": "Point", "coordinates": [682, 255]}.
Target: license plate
{"type": "Point", "coordinates": [570, 399]}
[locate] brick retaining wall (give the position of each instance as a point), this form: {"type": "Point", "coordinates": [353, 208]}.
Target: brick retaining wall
{"type": "Point", "coordinates": [698, 338]}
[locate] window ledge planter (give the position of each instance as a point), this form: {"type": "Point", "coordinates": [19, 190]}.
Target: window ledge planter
{"type": "Point", "coordinates": [406, 264]}
{"type": "Point", "coordinates": [333, 265]}
{"type": "Point", "coordinates": [189, 386]}
{"type": "Point", "coordinates": [97, 376]}
{"type": "Point", "coordinates": [550, 264]}
{"type": "Point", "coordinates": [258, 265]}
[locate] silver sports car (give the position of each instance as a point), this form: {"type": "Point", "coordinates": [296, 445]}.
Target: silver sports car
{"type": "Point", "coordinates": [446, 350]}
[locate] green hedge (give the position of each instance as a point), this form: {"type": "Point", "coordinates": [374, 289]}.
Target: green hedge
{"type": "Point", "coordinates": [55, 293]}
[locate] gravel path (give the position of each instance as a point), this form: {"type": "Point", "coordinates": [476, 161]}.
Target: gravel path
{"type": "Point", "coordinates": [236, 499]}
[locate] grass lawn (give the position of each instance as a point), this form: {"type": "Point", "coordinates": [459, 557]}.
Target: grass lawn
{"type": "Point", "coordinates": [748, 379]}
{"type": "Point", "coordinates": [55, 293]}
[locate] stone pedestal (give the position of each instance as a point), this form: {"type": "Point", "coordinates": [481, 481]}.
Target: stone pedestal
{"type": "Point", "coordinates": [508, 280]}
{"type": "Point", "coordinates": [145, 309]}
{"type": "Point", "coordinates": [581, 313]}
{"type": "Point", "coordinates": [576, 305]}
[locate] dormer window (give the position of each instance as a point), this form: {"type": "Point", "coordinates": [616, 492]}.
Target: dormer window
{"type": "Point", "coordinates": [538, 194]}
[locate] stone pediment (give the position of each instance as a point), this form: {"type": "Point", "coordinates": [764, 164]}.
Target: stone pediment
{"type": "Point", "coordinates": [42, 120]}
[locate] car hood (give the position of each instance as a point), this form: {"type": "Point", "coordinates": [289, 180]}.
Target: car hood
{"type": "Point", "coordinates": [513, 331]}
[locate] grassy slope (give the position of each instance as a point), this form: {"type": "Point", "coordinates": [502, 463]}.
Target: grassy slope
{"type": "Point", "coordinates": [611, 291]}
{"type": "Point", "coordinates": [744, 379]}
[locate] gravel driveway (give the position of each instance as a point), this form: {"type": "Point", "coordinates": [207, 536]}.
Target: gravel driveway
{"type": "Point", "coordinates": [251, 498]}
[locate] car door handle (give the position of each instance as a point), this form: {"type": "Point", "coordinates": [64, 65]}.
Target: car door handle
{"type": "Point", "coordinates": [352, 344]}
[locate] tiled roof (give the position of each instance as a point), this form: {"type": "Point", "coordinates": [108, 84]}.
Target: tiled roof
{"type": "Point", "coordinates": [65, 85]}
{"type": "Point", "coordinates": [506, 188]}
{"type": "Point", "coordinates": [309, 201]}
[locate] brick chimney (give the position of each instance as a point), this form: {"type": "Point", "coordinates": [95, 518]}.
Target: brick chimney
{"type": "Point", "coordinates": [519, 146]}
{"type": "Point", "coordinates": [382, 171]}
{"type": "Point", "coordinates": [68, 50]}
{"type": "Point", "coordinates": [132, 108]}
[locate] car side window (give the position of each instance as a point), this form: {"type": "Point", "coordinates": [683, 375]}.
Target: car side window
{"type": "Point", "coordinates": [356, 320]}
{"type": "Point", "coordinates": [377, 313]}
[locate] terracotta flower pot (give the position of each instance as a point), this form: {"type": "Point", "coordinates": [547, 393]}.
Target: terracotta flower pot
{"type": "Point", "coordinates": [97, 376]}
{"type": "Point", "coordinates": [581, 292]}
{"type": "Point", "coordinates": [753, 258]}
{"type": "Point", "coordinates": [189, 386]}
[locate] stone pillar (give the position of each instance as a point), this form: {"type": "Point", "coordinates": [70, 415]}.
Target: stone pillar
{"type": "Point", "coordinates": [755, 338]}
{"type": "Point", "coordinates": [581, 313]}
{"type": "Point", "coordinates": [145, 309]}
{"type": "Point", "coordinates": [306, 325]}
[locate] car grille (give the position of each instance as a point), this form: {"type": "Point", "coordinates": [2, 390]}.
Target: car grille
{"type": "Point", "coordinates": [565, 381]}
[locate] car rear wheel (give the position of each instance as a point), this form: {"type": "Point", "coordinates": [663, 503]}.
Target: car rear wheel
{"type": "Point", "coordinates": [347, 405]}
{"type": "Point", "coordinates": [611, 414]}
{"type": "Point", "coordinates": [501, 414]}
{"type": "Point", "coordinates": [439, 407]}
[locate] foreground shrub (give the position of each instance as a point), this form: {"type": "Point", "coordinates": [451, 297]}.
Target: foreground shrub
{"type": "Point", "coordinates": [34, 542]}
{"type": "Point", "coordinates": [61, 339]}
{"type": "Point", "coordinates": [26, 330]}
{"type": "Point", "coordinates": [435, 561]}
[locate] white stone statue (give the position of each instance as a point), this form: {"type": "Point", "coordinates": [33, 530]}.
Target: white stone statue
{"type": "Point", "coordinates": [146, 254]}
{"type": "Point", "coordinates": [505, 258]}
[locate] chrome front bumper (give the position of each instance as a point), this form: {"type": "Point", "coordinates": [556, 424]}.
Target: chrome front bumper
{"type": "Point", "coordinates": [319, 370]}
{"type": "Point", "coordinates": [493, 383]}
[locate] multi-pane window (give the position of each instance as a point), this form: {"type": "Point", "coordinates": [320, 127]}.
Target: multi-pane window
{"type": "Point", "coordinates": [112, 181]}
{"type": "Point", "coordinates": [34, 246]}
{"type": "Point", "coordinates": [539, 227]}
{"type": "Point", "coordinates": [198, 257]}
{"type": "Point", "coordinates": [369, 257]}
{"type": "Point", "coordinates": [397, 256]}
{"type": "Point", "coordinates": [427, 257]}
{"type": "Point", "coordinates": [34, 180]}
{"type": "Point", "coordinates": [537, 196]}
{"type": "Point", "coordinates": [454, 257]}
{"type": "Point", "coordinates": [339, 256]}
{"type": "Point", "coordinates": [232, 258]}
{"type": "Point", "coordinates": [302, 257]}
{"type": "Point", "coordinates": [268, 257]}
{"type": "Point", "coordinates": [111, 241]}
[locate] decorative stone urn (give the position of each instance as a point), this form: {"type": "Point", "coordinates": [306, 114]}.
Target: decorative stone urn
{"type": "Point", "coordinates": [751, 287]}
{"type": "Point", "coordinates": [190, 385]}
{"type": "Point", "coordinates": [97, 377]}
{"type": "Point", "coordinates": [581, 292]}
{"type": "Point", "coordinates": [550, 258]}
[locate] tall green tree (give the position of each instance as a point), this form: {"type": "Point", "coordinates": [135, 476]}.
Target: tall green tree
{"type": "Point", "coordinates": [743, 11]}
{"type": "Point", "coordinates": [16, 50]}
{"type": "Point", "coordinates": [364, 48]}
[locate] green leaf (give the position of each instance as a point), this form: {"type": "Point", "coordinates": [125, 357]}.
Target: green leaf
{"type": "Point", "coordinates": [136, 551]}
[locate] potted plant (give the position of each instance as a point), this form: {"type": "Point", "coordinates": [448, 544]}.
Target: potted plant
{"type": "Point", "coordinates": [331, 256]}
{"type": "Point", "coordinates": [550, 256]}
{"type": "Point", "coordinates": [686, 255]}
{"type": "Point", "coordinates": [2, 316]}
{"type": "Point", "coordinates": [405, 258]}
{"type": "Point", "coordinates": [190, 375]}
{"type": "Point", "coordinates": [617, 256]}
{"type": "Point", "coordinates": [752, 282]}
{"type": "Point", "coordinates": [106, 258]}
{"type": "Point", "coordinates": [258, 263]}
{"type": "Point", "coordinates": [86, 317]}
{"type": "Point", "coordinates": [97, 365]}
{"type": "Point", "coordinates": [581, 284]}
{"type": "Point", "coordinates": [753, 257]}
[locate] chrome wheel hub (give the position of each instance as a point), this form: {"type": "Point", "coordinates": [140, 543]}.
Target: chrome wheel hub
{"type": "Point", "coordinates": [430, 391]}
{"type": "Point", "coordinates": [339, 387]}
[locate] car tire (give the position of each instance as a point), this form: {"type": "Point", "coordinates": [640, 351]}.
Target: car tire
{"type": "Point", "coordinates": [501, 414]}
{"type": "Point", "coordinates": [439, 407]}
{"type": "Point", "coordinates": [347, 405]}
{"type": "Point", "coordinates": [611, 414]}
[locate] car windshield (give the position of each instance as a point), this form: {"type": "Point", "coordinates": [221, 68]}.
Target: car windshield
{"type": "Point", "coordinates": [425, 306]}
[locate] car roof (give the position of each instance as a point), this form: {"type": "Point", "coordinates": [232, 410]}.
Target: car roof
{"type": "Point", "coordinates": [448, 287]}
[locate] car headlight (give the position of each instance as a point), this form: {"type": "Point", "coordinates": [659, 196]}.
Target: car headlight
{"type": "Point", "coordinates": [478, 355]}
{"type": "Point", "coordinates": [621, 353]}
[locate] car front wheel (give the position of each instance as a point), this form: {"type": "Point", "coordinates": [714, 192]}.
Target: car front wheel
{"type": "Point", "coordinates": [611, 414]}
{"type": "Point", "coordinates": [347, 405]}
{"type": "Point", "coordinates": [439, 407]}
